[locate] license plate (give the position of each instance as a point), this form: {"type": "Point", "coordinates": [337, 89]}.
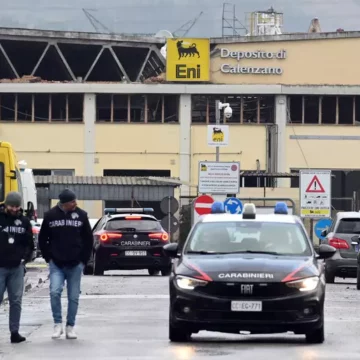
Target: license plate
{"type": "Point", "coordinates": [246, 306]}
{"type": "Point", "coordinates": [135, 253]}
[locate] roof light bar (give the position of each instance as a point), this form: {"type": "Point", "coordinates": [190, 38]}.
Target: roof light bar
{"type": "Point", "coordinates": [249, 211]}
{"type": "Point", "coordinates": [128, 210]}
{"type": "Point", "coordinates": [281, 208]}
{"type": "Point", "coordinates": [218, 207]}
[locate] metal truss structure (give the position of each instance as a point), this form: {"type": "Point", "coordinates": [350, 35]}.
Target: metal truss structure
{"type": "Point", "coordinates": [70, 57]}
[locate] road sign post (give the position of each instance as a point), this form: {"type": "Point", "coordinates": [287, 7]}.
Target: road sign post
{"type": "Point", "coordinates": [233, 206]}
{"type": "Point", "coordinates": [315, 194]}
{"type": "Point", "coordinates": [201, 206]}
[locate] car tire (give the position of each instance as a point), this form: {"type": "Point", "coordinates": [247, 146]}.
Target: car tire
{"type": "Point", "coordinates": [153, 272]}
{"type": "Point", "coordinates": [316, 337]}
{"type": "Point", "coordinates": [98, 269]}
{"type": "Point", "coordinates": [178, 333]}
{"type": "Point", "coordinates": [166, 271]}
{"type": "Point", "coordinates": [329, 277]}
{"type": "Point", "coordinates": [358, 278]}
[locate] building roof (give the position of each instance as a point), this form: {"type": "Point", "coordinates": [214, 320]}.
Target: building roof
{"type": "Point", "coordinates": [101, 180]}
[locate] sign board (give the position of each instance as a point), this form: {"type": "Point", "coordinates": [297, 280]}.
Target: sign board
{"type": "Point", "coordinates": [187, 59]}
{"type": "Point", "coordinates": [201, 206]}
{"type": "Point", "coordinates": [315, 193]}
{"type": "Point", "coordinates": [218, 135]}
{"type": "Point", "coordinates": [233, 206]}
{"type": "Point", "coordinates": [219, 177]}
{"type": "Point", "coordinates": [320, 226]}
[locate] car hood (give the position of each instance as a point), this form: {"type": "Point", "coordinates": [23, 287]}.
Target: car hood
{"type": "Point", "coordinates": [240, 268]}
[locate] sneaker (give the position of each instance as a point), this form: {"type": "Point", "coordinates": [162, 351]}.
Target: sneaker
{"type": "Point", "coordinates": [58, 331]}
{"type": "Point", "coordinates": [70, 333]}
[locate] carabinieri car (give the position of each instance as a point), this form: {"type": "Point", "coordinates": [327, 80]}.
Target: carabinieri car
{"type": "Point", "coordinates": [254, 273]}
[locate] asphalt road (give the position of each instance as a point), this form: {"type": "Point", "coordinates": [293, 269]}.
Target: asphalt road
{"type": "Point", "coordinates": [125, 316]}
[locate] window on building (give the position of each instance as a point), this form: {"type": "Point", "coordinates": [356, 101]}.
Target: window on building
{"type": "Point", "coordinates": [136, 108]}
{"type": "Point", "coordinates": [136, 172]}
{"type": "Point", "coordinates": [41, 107]}
{"type": "Point", "coordinates": [55, 172]}
{"type": "Point", "coordinates": [253, 181]}
{"type": "Point", "coordinates": [247, 109]}
{"type": "Point", "coordinates": [327, 109]}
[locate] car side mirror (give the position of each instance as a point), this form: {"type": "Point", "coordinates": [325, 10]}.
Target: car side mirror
{"type": "Point", "coordinates": [30, 211]}
{"type": "Point", "coordinates": [171, 250]}
{"type": "Point", "coordinates": [326, 251]}
{"type": "Point", "coordinates": [324, 232]}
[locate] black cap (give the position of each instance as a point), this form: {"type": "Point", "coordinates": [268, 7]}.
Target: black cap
{"type": "Point", "coordinates": [13, 198]}
{"type": "Point", "coordinates": [66, 196]}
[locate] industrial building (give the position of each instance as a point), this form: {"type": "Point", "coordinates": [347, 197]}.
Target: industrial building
{"type": "Point", "coordinates": [86, 104]}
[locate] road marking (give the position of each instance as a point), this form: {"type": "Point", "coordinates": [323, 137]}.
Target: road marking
{"type": "Point", "coordinates": [88, 297]}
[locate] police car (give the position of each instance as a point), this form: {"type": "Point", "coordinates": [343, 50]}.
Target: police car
{"type": "Point", "coordinates": [249, 272]}
{"type": "Point", "coordinates": [129, 239]}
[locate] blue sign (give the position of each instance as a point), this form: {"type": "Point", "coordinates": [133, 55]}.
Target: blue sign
{"type": "Point", "coordinates": [320, 226]}
{"type": "Point", "coordinates": [233, 206]}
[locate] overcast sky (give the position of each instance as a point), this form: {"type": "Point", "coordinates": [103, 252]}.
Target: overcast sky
{"type": "Point", "coordinates": [150, 16]}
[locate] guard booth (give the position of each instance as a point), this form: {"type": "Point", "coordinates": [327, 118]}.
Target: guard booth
{"type": "Point", "coordinates": [113, 191]}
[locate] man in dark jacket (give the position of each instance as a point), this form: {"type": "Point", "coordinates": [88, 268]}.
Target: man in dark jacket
{"type": "Point", "coordinates": [16, 248]}
{"type": "Point", "coordinates": [66, 243]}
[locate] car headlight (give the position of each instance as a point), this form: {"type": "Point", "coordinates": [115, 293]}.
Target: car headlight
{"type": "Point", "coordinates": [307, 284]}
{"type": "Point", "coordinates": [188, 283]}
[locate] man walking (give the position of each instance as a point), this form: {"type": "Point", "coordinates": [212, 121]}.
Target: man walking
{"type": "Point", "coordinates": [66, 243]}
{"type": "Point", "coordinates": [16, 248]}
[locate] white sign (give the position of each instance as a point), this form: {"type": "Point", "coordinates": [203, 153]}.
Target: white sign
{"type": "Point", "coordinates": [218, 135]}
{"type": "Point", "coordinates": [219, 177]}
{"type": "Point", "coordinates": [315, 193]}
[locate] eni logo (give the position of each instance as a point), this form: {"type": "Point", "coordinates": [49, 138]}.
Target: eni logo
{"type": "Point", "coordinates": [203, 167]}
{"type": "Point", "coordinates": [183, 71]}
{"type": "Point", "coordinates": [217, 135]}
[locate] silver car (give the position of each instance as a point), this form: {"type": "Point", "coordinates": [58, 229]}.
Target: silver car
{"type": "Point", "coordinates": [344, 236]}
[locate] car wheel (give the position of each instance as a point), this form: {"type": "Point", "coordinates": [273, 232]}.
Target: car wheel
{"type": "Point", "coordinates": [178, 334]}
{"type": "Point", "coordinates": [98, 269]}
{"type": "Point", "coordinates": [153, 272]}
{"type": "Point", "coordinates": [316, 337]}
{"type": "Point", "coordinates": [358, 278]}
{"type": "Point", "coordinates": [166, 271]}
{"type": "Point", "coordinates": [329, 277]}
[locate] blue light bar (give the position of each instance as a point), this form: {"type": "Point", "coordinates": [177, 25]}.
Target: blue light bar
{"type": "Point", "coordinates": [218, 207]}
{"type": "Point", "coordinates": [281, 208]}
{"type": "Point", "coordinates": [128, 210]}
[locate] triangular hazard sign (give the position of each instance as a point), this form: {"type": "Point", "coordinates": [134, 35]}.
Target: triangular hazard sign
{"type": "Point", "coordinates": [315, 186]}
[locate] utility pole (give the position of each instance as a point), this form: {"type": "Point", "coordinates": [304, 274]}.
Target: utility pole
{"type": "Point", "coordinates": [217, 118]}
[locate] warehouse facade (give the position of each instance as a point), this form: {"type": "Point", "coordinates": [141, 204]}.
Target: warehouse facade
{"type": "Point", "coordinates": [116, 115]}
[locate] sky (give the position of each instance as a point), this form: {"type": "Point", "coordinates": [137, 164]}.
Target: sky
{"type": "Point", "coordinates": [150, 16]}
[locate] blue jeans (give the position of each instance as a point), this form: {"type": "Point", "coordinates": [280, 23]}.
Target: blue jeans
{"type": "Point", "coordinates": [72, 275]}
{"type": "Point", "coordinates": [12, 280]}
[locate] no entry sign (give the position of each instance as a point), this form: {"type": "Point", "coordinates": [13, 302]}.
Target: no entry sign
{"type": "Point", "coordinates": [202, 204]}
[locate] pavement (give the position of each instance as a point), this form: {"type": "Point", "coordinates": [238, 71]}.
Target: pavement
{"type": "Point", "coordinates": [124, 316]}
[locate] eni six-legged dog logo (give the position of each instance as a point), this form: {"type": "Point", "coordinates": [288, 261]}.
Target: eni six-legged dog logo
{"type": "Point", "coordinates": [187, 51]}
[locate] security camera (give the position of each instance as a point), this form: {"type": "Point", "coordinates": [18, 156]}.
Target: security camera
{"type": "Point", "coordinates": [228, 112]}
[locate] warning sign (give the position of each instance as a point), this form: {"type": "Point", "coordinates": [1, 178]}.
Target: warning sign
{"type": "Point", "coordinates": [315, 186]}
{"type": "Point", "coordinates": [315, 193]}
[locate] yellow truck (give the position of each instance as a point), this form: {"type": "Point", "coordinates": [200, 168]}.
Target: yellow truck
{"type": "Point", "coordinates": [10, 177]}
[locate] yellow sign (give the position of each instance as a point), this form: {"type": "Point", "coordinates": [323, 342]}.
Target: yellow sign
{"type": "Point", "coordinates": [318, 212]}
{"type": "Point", "coordinates": [188, 60]}
{"type": "Point", "coordinates": [203, 167]}
{"type": "Point", "coordinates": [218, 135]}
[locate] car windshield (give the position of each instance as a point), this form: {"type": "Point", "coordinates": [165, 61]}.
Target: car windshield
{"type": "Point", "coordinates": [249, 236]}
{"type": "Point", "coordinates": [135, 225]}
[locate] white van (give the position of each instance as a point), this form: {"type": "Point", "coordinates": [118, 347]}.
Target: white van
{"type": "Point", "coordinates": [28, 185]}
